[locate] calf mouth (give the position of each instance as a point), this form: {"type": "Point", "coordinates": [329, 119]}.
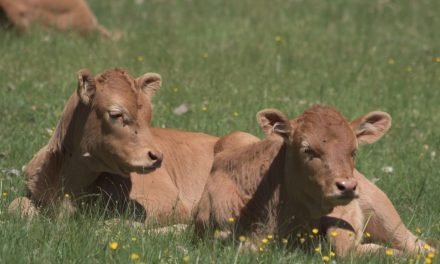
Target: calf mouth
{"type": "Point", "coordinates": [343, 199]}
{"type": "Point", "coordinates": [139, 169]}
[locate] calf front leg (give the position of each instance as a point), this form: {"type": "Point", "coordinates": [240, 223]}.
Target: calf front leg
{"type": "Point", "coordinates": [383, 221]}
{"type": "Point", "coordinates": [160, 198]}
{"type": "Point", "coordinates": [344, 228]}
{"type": "Point", "coordinates": [220, 204]}
{"type": "Point", "coordinates": [24, 207]}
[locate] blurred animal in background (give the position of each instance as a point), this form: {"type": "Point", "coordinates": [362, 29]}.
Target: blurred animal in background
{"type": "Point", "coordinates": [61, 14]}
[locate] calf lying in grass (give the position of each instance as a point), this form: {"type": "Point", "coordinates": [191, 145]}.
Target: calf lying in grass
{"type": "Point", "coordinates": [299, 177]}
{"type": "Point", "coordinates": [104, 133]}
{"type": "Point", "coordinates": [104, 128]}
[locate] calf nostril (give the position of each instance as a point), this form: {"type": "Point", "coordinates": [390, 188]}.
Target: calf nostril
{"type": "Point", "coordinates": [152, 156]}
{"type": "Point", "coordinates": [341, 186]}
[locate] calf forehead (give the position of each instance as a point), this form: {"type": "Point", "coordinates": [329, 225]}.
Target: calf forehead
{"type": "Point", "coordinates": [118, 88]}
{"type": "Point", "coordinates": [326, 127]}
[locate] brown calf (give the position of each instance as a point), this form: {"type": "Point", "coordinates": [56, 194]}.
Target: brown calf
{"type": "Point", "coordinates": [63, 15]}
{"type": "Point", "coordinates": [104, 128]}
{"type": "Point", "coordinates": [285, 183]}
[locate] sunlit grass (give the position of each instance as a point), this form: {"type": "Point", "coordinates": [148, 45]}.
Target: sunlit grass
{"type": "Point", "coordinates": [225, 61]}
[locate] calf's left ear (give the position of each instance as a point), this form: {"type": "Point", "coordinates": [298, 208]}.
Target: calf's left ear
{"type": "Point", "coordinates": [371, 127]}
{"type": "Point", "coordinates": [273, 121]}
{"type": "Point", "coordinates": [86, 86]}
{"type": "Point", "coordinates": [149, 83]}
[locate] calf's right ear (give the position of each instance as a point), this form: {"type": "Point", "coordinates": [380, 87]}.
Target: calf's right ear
{"type": "Point", "coordinates": [86, 86]}
{"type": "Point", "coordinates": [371, 127]}
{"type": "Point", "coordinates": [273, 121]}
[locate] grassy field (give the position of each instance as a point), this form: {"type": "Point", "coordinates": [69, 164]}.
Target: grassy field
{"type": "Point", "coordinates": [226, 61]}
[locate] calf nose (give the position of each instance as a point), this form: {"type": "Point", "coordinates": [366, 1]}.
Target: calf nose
{"type": "Point", "coordinates": [346, 185]}
{"type": "Point", "coordinates": [155, 157]}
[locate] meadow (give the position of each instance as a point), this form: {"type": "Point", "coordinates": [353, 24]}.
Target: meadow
{"type": "Point", "coordinates": [226, 60]}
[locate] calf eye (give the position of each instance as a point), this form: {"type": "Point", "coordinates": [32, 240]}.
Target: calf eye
{"type": "Point", "coordinates": [115, 114]}
{"type": "Point", "coordinates": [311, 152]}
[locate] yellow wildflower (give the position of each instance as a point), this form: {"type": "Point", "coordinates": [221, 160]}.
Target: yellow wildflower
{"type": "Point", "coordinates": [427, 247]}
{"type": "Point", "coordinates": [367, 234]}
{"type": "Point", "coordinates": [284, 241]}
{"type": "Point", "coordinates": [5, 194]}
{"type": "Point", "coordinates": [302, 240]}
{"type": "Point", "coordinates": [391, 61]}
{"type": "Point", "coordinates": [332, 254]}
{"type": "Point", "coordinates": [133, 239]}
{"type": "Point", "coordinates": [428, 261]}
{"type": "Point", "coordinates": [204, 108]}
{"type": "Point", "coordinates": [325, 258]}
{"type": "Point", "coordinates": [278, 38]}
{"type": "Point", "coordinates": [265, 240]}
{"type": "Point", "coordinates": [140, 58]}
{"type": "Point", "coordinates": [437, 59]}
{"type": "Point", "coordinates": [315, 231]}
{"type": "Point", "coordinates": [350, 234]}
{"type": "Point", "coordinates": [231, 219]}
{"type": "Point", "coordinates": [418, 230]}
{"type": "Point", "coordinates": [235, 114]}
{"type": "Point", "coordinates": [113, 245]}
{"type": "Point", "coordinates": [333, 233]}
{"type": "Point", "coordinates": [269, 237]}
{"type": "Point", "coordinates": [389, 252]}
{"type": "Point", "coordinates": [431, 255]}
{"type": "Point", "coordinates": [261, 249]}
{"type": "Point", "coordinates": [185, 258]}
{"type": "Point", "coordinates": [176, 89]}
{"type": "Point", "coordinates": [242, 238]}
{"type": "Point", "coordinates": [134, 256]}
{"type": "Point", "coordinates": [318, 249]}
{"type": "Point", "coordinates": [66, 195]}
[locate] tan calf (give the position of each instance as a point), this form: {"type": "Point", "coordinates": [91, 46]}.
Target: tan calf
{"type": "Point", "coordinates": [61, 14]}
{"type": "Point", "coordinates": [267, 185]}
{"type": "Point", "coordinates": [104, 128]}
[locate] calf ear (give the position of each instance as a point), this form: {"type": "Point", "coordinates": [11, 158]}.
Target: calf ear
{"type": "Point", "coordinates": [274, 121]}
{"type": "Point", "coordinates": [149, 83]}
{"type": "Point", "coordinates": [86, 86]}
{"type": "Point", "coordinates": [371, 127]}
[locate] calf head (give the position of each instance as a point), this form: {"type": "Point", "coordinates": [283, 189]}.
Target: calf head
{"type": "Point", "coordinates": [320, 153]}
{"type": "Point", "coordinates": [116, 127]}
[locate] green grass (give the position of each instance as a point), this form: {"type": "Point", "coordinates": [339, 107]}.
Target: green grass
{"type": "Point", "coordinates": [358, 56]}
